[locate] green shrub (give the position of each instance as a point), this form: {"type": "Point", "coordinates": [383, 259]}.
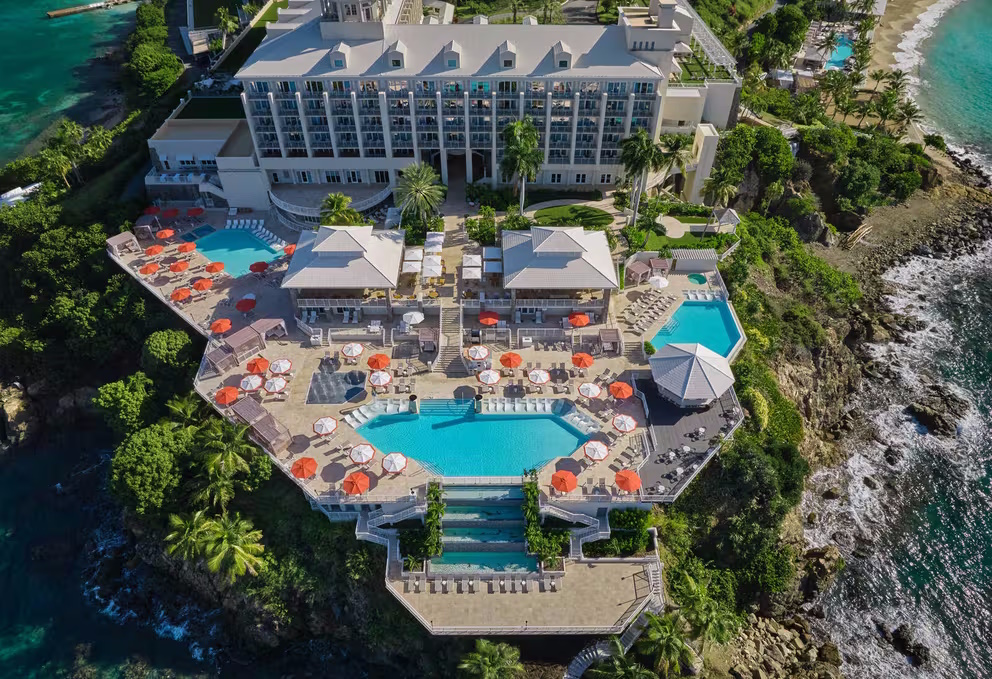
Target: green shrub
{"type": "Point", "coordinates": [649, 349]}
{"type": "Point", "coordinates": [145, 469]}
{"type": "Point", "coordinates": [125, 404]}
{"type": "Point", "coordinates": [482, 229]}
{"type": "Point", "coordinates": [167, 355]}
{"type": "Point", "coordinates": [757, 406]}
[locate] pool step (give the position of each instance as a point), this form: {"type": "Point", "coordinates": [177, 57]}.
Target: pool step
{"type": "Point", "coordinates": [440, 407]}
{"type": "Point", "coordinates": [669, 327]}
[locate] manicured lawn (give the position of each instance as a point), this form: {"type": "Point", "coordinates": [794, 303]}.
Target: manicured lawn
{"type": "Point", "coordinates": [577, 215]}
{"type": "Point", "coordinates": [689, 240]}
{"type": "Point", "coordinates": [693, 220]}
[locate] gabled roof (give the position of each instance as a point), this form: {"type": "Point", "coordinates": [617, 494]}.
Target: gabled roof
{"type": "Point", "coordinates": [346, 257]}
{"type": "Point", "coordinates": [726, 216]}
{"type": "Point", "coordinates": [558, 258]}
{"type": "Point", "coordinates": [560, 47]}
{"type": "Point", "coordinates": [691, 372]}
{"type": "Point", "coordinates": [507, 46]}
{"type": "Point", "coordinates": [452, 46]}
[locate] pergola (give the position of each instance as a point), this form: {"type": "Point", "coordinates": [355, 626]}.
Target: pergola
{"type": "Point", "coordinates": [638, 272]}
{"type": "Point", "coordinates": [244, 343]}
{"type": "Point", "coordinates": [123, 243]}
{"type": "Point", "coordinates": [249, 411]}
{"type": "Point", "coordinates": [272, 434]}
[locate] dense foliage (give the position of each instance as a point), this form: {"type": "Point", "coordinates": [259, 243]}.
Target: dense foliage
{"type": "Point", "coordinates": [628, 535]}
{"type": "Point", "coordinates": [547, 543]}
{"type": "Point", "coordinates": [151, 66]}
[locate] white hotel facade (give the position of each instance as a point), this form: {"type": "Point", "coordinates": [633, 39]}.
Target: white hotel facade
{"type": "Point", "coordinates": [348, 94]}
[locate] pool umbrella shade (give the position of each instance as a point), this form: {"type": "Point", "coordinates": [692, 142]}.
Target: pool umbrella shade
{"type": "Point", "coordinates": [180, 294]}
{"type": "Point", "coordinates": [355, 483]}
{"type": "Point", "coordinates": [582, 360]}
{"type": "Point", "coordinates": [187, 247]}
{"type": "Point", "coordinates": [489, 377]}
{"type": "Point", "coordinates": [290, 249]}
{"type": "Point", "coordinates": [362, 453]}
{"type": "Point", "coordinates": [578, 320]}
{"type": "Point", "coordinates": [352, 350]}
{"type": "Point", "coordinates": [214, 267]}
{"type": "Point", "coordinates": [221, 325]}
{"type": "Point", "coordinates": [148, 269]}
{"type": "Point", "coordinates": [251, 382]}
{"type": "Point", "coordinates": [304, 468]}
{"type": "Point", "coordinates": [325, 426]}
{"type": "Point", "coordinates": [165, 233]}
{"type": "Point", "coordinates": [227, 395]}
{"type": "Point", "coordinates": [628, 481]}
{"type": "Point", "coordinates": [489, 318]}
{"type": "Point", "coordinates": [658, 282]}
{"type": "Point", "coordinates": [281, 366]}
{"type": "Point", "coordinates": [378, 361]}
{"type": "Point", "coordinates": [257, 365]}
{"type": "Point", "coordinates": [194, 212]}
{"type": "Point", "coordinates": [564, 481]}
{"type": "Point", "coordinates": [380, 378]}
{"type": "Point", "coordinates": [171, 213]}
{"type": "Point", "coordinates": [539, 376]}
{"type": "Point", "coordinates": [394, 463]}
{"type": "Point", "coordinates": [245, 305]}
{"type": "Point", "coordinates": [590, 389]}
{"type": "Point", "coordinates": [203, 285]}
{"type": "Point", "coordinates": [153, 250]}
{"type": "Point", "coordinates": [621, 390]}
{"type": "Point", "coordinates": [477, 352]}
{"type": "Point", "coordinates": [511, 360]}
{"type": "Point", "coordinates": [624, 423]}
{"type": "Point", "coordinates": [413, 317]}
{"type": "Point", "coordinates": [178, 267]}
{"type": "Point", "coordinates": [274, 385]}
{"type": "Point", "coordinates": [258, 267]}
{"type": "Point", "coordinates": [596, 450]}
{"type": "Point", "coordinates": [152, 210]}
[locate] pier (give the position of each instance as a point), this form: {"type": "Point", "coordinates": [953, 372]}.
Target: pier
{"type": "Point", "coordinates": [79, 9]}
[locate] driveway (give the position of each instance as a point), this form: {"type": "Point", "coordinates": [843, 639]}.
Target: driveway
{"type": "Point", "coordinates": [580, 12]}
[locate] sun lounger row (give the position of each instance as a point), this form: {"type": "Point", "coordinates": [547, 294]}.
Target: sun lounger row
{"type": "Point", "coordinates": [518, 405]}
{"type": "Point", "coordinates": [257, 228]}
{"type": "Point", "coordinates": [582, 422]}
{"type": "Point", "coordinates": [708, 296]}
{"type": "Point", "coordinates": [498, 583]}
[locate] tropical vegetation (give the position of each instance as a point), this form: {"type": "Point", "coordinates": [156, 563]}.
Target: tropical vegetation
{"type": "Point", "coordinates": [336, 210]}
{"type": "Point", "coordinates": [419, 193]}
{"type": "Point", "coordinates": [522, 156]}
{"type": "Point", "coordinates": [491, 660]}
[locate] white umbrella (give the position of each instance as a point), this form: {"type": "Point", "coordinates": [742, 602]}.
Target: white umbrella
{"type": "Point", "coordinates": [352, 349]}
{"type": "Point", "coordinates": [471, 260]}
{"type": "Point", "coordinates": [435, 236]}
{"type": "Point", "coordinates": [477, 352]}
{"type": "Point", "coordinates": [251, 383]}
{"type": "Point", "coordinates": [624, 423]}
{"type": "Point", "coordinates": [433, 248]}
{"type": "Point", "coordinates": [362, 453]}
{"type": "Point", "coordinates": [380, 378]}
{"type": "Point", "coordinates": [686, 449]}
{"type": "Point", "coordinates": [539, 376]}
{"type": "Point", "coordinates": [431, 271]}
{"type": "Point", "coordinates": [394, 463]}
{"type": "Point", "coordinates": [325, 426]}
{"type": "Point", "coordinates": [275, 384]}
{"type": "Point", "coordinates": [590, 389]}
{"type": "Point", "coordinates": [281, 366]}
{"type": "Point", "coordinates": [412, 267]}
{"type": "Point", "coordinates": [432, 260]}
{"type": "Point", "coordinates": [679, 471]}
{"type": "Point", "coordinates": [472, 273]}
{"type": "Point", "coordinates": [413, 317]}
{"type": "Point", "coordinates": [658, 282]}
{"type": "Point", "coordinates": [596, 450]}
{"type": "Point", "coordinates": [413, 254]}
{"type": "Point", "coordinates": [489, 377]}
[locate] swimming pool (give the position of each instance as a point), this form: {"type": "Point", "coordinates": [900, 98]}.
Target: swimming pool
{"type": "Point", "coordinates": [237, 249]}
{"type": "Point", "coordinates": [697, 278]}
{"type": "Point", "coordinates": [490, 534]}
{"type": "Point", "coordinates": [708, 323]}
{"type": "Point", "coordinates": [451, 438]}
{"type": "Point", "coordinates": [483, 562]}
{"type": "Point", "coordinates": [841, 54]}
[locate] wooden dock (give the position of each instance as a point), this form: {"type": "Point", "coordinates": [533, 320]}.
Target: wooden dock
{"type": "Point", "coordinates": [79, 9]}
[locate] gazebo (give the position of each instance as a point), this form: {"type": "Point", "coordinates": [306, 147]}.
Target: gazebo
{"type": "Point", "coordinates": [660, 266]}
{"type": "Point", "coordinates": [724, 220]}
{"type": "Point", "coordinates": [638, 272]}
{"type": "Point", "coordinates": [123, 243]}
{"type": "Point", "coordinates": [273, 436]}
{"type": "Point", "coordinates": [690, 375]}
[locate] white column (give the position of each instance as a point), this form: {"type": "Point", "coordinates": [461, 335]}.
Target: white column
{"type": "Point", "coordinates": [468, 140]}
{"type": "Point", "coordinates": [413, 126]}
{"type": "Point", "coordinates": [575, 128]}
{"type": "Point", "coordinates": [494, 180]}
{"type": "Point", "coordinates": [251, 122]}
{"type": "Point", "coordinates": [520, 106]}
{"type": "Point", "coordinates": [630, 114]}
{"type": "Point", "coordinates": [386, 133]}
{"type": "Point", "coordinates": [330, 123]}
{"type": "Point", "coordinates": [602, 123]}
{"type": "Point", "coordinates": [358, 124]}
{"type": "Point", "coordinates": [277, 123]}
{"type": "Point", "coordinates": [440, 138]}
{"type": "Point", "coordinates": [303, 124]}
{"type": "Point", "coordinates": [547, 126]}
{"type": "Point", "coordinates": [656, 115]}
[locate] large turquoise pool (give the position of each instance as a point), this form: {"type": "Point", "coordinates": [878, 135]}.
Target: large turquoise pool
{"type": "Point", "coordinates": [449, 438]}
{"type": "Point", "coordinates": [237, 249]}
{"type": "Point", "coordinates": [708, 323]}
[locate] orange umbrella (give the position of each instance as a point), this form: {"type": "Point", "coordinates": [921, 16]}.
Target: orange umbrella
{"type": "Point", "coordinates": [628, 480]}
{"type": "Point", "coordinates": [582, 360]}
{"type": "Point", "coordinates": [227, 396]}
{"type": "Point", "coordinates": [187, 247]}
{"type": "Point", "coordinates": [511, 360]}
{"type": "Point", "coordinates": [194, 211]}
{"type": "Point", "coordinates": [489, 318]}
{"type": "Point", "coordinates": [180, 294]}
{"type": "Point", "coordinates": [171, 213]}
{"type": "Point", "coordinates": [152, 210]}
{"type": "Point", "coordinates": [355, 483]}
{"type": "Point", "coordinates": [258, 267]}
{"type": "Point", "coordinates": [214, 267]}
{"type": "Point", "coordinates": [148, 269]}
{"type": "Point", "coordinates": [202, 284]}
{"type": "Point", "coordinates": [564, 481]}
{"type": "Point", "coordinates": [290, 249]}
{"type": "Point", "coordinates": [378, 361]}
{"type": "Point", "coordinates": [304, 468]}
{"type": "Point", "coordinates": [165, 233]}
{"type": "Point", "coordinates": [220, 325]}
{"type": "Point", "coordinates": [153, 250]}
{"type": "Point", "coordinates": [578, 319]}
{"type": "Point", "coordinates": [178, 267]}
{"type": "Point", "coordinates": [245, 305]}
{"type": "Point", "coordinates": [621, 390]}
{"type": "Point", "coordinates": [257, 365]}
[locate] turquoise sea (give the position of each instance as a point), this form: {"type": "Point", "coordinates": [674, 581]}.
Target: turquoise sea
{"type": "Point", "coordinates": [45, 64]}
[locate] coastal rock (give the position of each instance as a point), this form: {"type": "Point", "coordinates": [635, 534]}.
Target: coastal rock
{"type": "Point", "coordinates": [19, 421]}
{"type": "Point", "coordinates": [822, 566]}
{"type": "Point", "coordinates": [904, 641]}
{"type": "Point", "coordinates": [935, 421]}
{"type": "Point", "coordinates": [870, 482]}
{"type": "Point", "coordinates": [832, 493]}
{"type": "Point", "coordinates": [829, 653]}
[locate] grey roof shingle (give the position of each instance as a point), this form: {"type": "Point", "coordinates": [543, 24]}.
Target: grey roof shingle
{"type": "Point", "coordinates": [558, 258]}
{"type": "Point", "coordinates": [346, 257]}
{"type": "Point", "coordinates": [691, 372]}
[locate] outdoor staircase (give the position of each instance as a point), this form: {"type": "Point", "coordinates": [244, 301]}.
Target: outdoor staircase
{"type": "Point", "coordinates": [449, 358]}
{"type": "Point", "coordinates": [632, 350]}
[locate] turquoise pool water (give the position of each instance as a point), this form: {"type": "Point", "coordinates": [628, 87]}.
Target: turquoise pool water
{"type": "Point", "coordinates": [697, 278]}
{"type": "Point", "coordinates": [452, 493]}
{"type": "Point", "coordinates": [451, 438]}
{"type": "Point", "coordinates": [237, 249]}
{"type": "Point", "coordinates": [841, 54]}
{"type": "Point", "coordinates": [483, 562]}
{"type": "Point", "coordinates": [480, 534]}
{"type": "Point", "coordinates": [482, 512]}
{"type": "Point", "coordinates": [708, 323]}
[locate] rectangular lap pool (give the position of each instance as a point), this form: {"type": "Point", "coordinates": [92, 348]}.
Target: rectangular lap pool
{"type": "Point", "coordinates": [708, 323]}
{"type": "Point", "coordinates": [237, 249]}
{"type": "Point", "coordinates": [483, 562]}
{"type": "Point", "coordinates": [451, 438]}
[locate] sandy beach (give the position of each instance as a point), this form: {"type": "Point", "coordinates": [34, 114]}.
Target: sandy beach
{"type": "Point", "coordinates": [900, 17]}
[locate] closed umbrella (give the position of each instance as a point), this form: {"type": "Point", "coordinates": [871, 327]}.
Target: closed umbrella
{"type": "Point", "coordinates": [477, 352]}
{"type": "Point", "coordinates": [628, 480]}
{"type": "Point", "coordinates": [488, 377]}
{"type": "Point", "coordinates": [362, 453]}
{"type": "Point", "coordinates": [511, 360]}
{"type": "Point", "coordinates": [394, 463]}
{"type": "Point", "coordinates": [380, 378]}
{"type": "Point", "coordinates": [203, 284]}
{"type": "Point", "coordinates": [378, 361]}
{"type": "Point", "coordinates": [289, 249]}
{"type": "Point", "coordinates": [590, 389]}
{"type": "Point", "coordinates": [596, 450]}
{"type": "Point", "coordinates": [582, 360]}
{"type": "Point", "coordinates": [564, 481]}
{"type": "Point", "coordinates": [325, 426]}
{"type": "Point", "coordinates": [621, 390]}
{"type": "Point", "coordinates": [258, 267]}
{"type": "Point", "coordinates": [257, 365]}
{"type": "Point", "coordinates": [194, 212]}
{"type": "Point", "coordinates": [180, 294]}
{"type": "Point", "coordinates": [214, 267]}
{"type": "Point", "coordinates": [171, 213]}
{"type": "Point", "coordinates": [251, 382]}
{"type": "Point", "coordinates": [658, 282]}
{"type": "Point", "coordinates": [186, 248]}
{"type": "Point", "coordinates": [413, 317]}
{"type": "Point", "coordinates": [148, 269]}
{"type": "Point", "coordinates": [152, 210]}
{"type": "Point", "coordinates": [227, 395]}
{"type": "Point", "coordinates": [274, 385]}
{"type": "Point", "coordinates": [281, 366]}
{"type": "Point", "coordinates": [578, 319]}
{"type": "Point", "coordinates": [165, 233]}
{"type": "Point", "coordinates": [245, 305]}
{"type": "Point", "coordinates": [539, 376]}
{"type": "Point", "coordinates": [153, 250]}
{"type": "Point", "coordinates": [221, 325]}
{"type": "Point", "coordinates": [355, 483]}
{"type": "Point", "coordinates": [352, 349]}
{"type": "Point", "coordinates": [489, 318]}
{"type": "Point", "coordinates": [624, 423]}
{"type": "Point", "coordinates": [178, 267]}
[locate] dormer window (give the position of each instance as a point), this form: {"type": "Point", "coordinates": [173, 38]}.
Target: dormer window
{"type": "Point", "coordinates": [397, 54]}
{"type": "Point", "coordinates": [562, 54]}
{"type": "Point", "coordinates": [563, 63]}
{"type": "Point", "coordinates": [452, 63]}
{"type": "Point", "coordinates": [396, 63]}
{"type": "Point", "coordinates": [508, 63]}
{"type": "Point", "coordinates": [339, 55]}
{"type": "Point", "coordinates": [452, 54]}
{"type": "Point", "coordinates": [508, 54]}
{"type": "Point", "coordinates": [339, 63]}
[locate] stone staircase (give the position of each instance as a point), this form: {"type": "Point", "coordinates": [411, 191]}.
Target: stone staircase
{"type": "Point", "coordinates": [449, 360]}
{"type": "Point", "coordinates": [632, 349]}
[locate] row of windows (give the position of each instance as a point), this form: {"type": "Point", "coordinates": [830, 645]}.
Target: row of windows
{"type": "Point", "coordinates": [382, 177]}
{"type": "Point", "coordinates": [616, 88]}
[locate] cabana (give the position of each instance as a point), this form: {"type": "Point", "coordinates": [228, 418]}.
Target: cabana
{"type": "Point", "coordinates": [688, 260]}
{"type": "Point", "coordinates": [427, 338]}
{"type": "Point", "coordinates": [122, 244]}
{"type": "Point", "coordinates": [690, 375]}
{"type": "Point", "coordinates": [270, 327]}
{"type": "Point", "coordinates": [638, 272]}
{"type": "Point", "coordinates": [273, 436]}
{"type": "Point", "coordinates": [724, 220]}
{"type": "Point", "coordinates": [660, 266]}
{"type": "Point", "coordinates": [221, 359]}
{"type": "Point", "coordinates": [249, 411]}
{"type": "Point", "coordinates": [609, 339]}
{"type": "Point", "coordinates": [244, 343]}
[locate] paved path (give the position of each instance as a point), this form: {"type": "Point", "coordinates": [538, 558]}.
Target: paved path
{"type": "Point", "coordinates": [580, 12]}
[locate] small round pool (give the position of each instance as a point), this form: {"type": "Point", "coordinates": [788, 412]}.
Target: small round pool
{"type": "Point", "coordinates": [697, 278]}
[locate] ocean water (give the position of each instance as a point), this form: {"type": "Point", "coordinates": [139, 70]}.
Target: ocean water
{"type": "Point", "coordinates": [45, 63]}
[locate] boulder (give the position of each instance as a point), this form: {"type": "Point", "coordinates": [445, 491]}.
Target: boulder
{"type": "Point", "coordinates": [870, 482]}
{"type": "Point", "coordinates": [19, 420]}
{"type": "Point", "coordinates": [831, 493]}
{"type": "Point", "coordinates": [829, 653]}
{"type": "Point", "coordinates": [904, 641]}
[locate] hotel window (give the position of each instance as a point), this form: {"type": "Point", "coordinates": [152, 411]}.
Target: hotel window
{"type": "Point", "coordinates": [480, 86]}
{"type": "Point", "coordinates": [396, 63]}
{"type": "Point", "coordinates": [507, 86]}
{"type": "Point", "coordinates": [314, 86]}
{"type": "Point", "coordinates": [606, 178]}
{"type": "Point", "coordinates": [339, 63]}
{"type": "Point", "coordinates": [187, 162]}
{"type": "Point", "coordinates": [341, 86]}
{"type": "Point", "coordinates": [563, 63]}
{"type": "Point", "coordinates": [275, 177]}
{"type": "Point", "coordinates": [381, 176]}
{"type": "Point", "coordinates": [208, 162]}
{"type": "Point", "coordinates": [508, 63]}
{"type": "Point", "coordinates": [351, 10]}
{"type": "Point", "coordinates": [332, 177]}
{"type": "Point", "coordinates": [643, 88]}
{"type": "Point", "coordinates": [260, 86]}
{"type": "Point", "coordinates": [286, 86]}
{"type": "Point", "coordinates": [580, 178]}
{"type": "Point", "coordinates": [556, 178]}
{"type": "Point", "coordinates": [354, 177]}
{"type": "Point", "coordinates": [452, 63]}
{"type": "Point", "coordinates": [304, 177]}
{"type": "Point", "coordinates": [369, 86]}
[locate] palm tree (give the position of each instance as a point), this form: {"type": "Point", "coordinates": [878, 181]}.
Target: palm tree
{"type": "Point", "coordinates": [710, 622]}
{"type": "Point", "coordinates": [548, 8]}
{"type": "Point", "coordinates": [522, 157]}
{"type": "Point", "coordinates": [719, 188]}
{"type": "Point", "coordinates": [878, 75]}
{"type": "Point", "coordinates": [189, 534]}
{"type": "Point", "coordinates": [676, 154]}
{"type": "Point", "coordinates": [491, 661]}
{"type": "Point", "coordinates": [662, 640]}
{"type": "Point", "coordinates": [886, 107]}
{"type": "Point", "coordinates": [855, 79]}
{"type": "Point", "coordinates": [619, 665]}
{"type": "Point", "coordinates": [227, 446]}
{"type": "Point", "coordinates": [516, 6]}
{"type": "Point", "coordinates": [639, 155]}
{"type": "Point", "coordinates": [335, 211]}
{"type": "Point", "coordinates": [908, 114]}
{"type": "Point", "coordinates": [865, 108]}
{"type": "Point", "coordinates": [847, 106]}
{"type": "Point", "coordinates": [234, 547]}
{"type": "Point", "coordinates": [227, 24]}
{"type": "Point", "coordinates": [828, 42]}
{"type": "Point", "coordinates": [418, 193]}
{"type": "Point", "coordinates": [898, 80]}
{"type": "Point", "coordinates": [56, 163]}
{"type": "Point", "coordinates": [186, 411]}
{"type": "Point", "coordinates": [213, 486]}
